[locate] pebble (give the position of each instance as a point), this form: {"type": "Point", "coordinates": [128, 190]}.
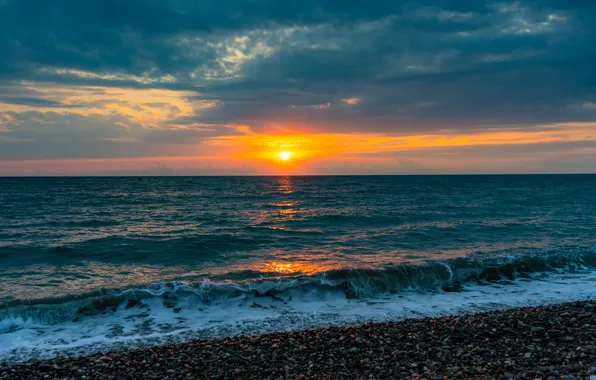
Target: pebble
{"type": "Point", "coordinates": [414, 348]}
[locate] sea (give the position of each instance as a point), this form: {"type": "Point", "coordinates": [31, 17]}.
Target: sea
{"type": "Point", "coordinates": [94, 264]}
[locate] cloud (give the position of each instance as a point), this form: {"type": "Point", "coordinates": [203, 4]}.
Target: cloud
{"type": "Point", "coordinates": [53, 135]}
{"type": "Point", "coordinates": [35, 102]}
{"type": "Point", "coordinates": [123, 77]}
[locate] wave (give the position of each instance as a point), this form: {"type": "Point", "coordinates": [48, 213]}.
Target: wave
{"type": "Point", "coordinates": [169, 312]}
{"type": "Point", "coordinates": [138, 247]}
{"type": "Point", "coordinates": [352, 283]}
{"type": "Point", "coordinates": [351, 220]}
{"type": "Point", "coordinates": [267, 227]}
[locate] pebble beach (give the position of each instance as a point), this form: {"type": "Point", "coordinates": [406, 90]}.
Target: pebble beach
{"type": "Point", "coordinates": [547, 342]}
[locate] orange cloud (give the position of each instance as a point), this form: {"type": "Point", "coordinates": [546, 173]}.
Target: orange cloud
{"type": "Point", "coordinates": [254, 153]}
{"type": "Point", "coordinates": [147, 107]}
{"type": "Point", "coordinates": [267, 148]}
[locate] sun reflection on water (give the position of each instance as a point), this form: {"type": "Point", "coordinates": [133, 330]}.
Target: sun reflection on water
{"type": "Point", "coordinates": [283, 204]}
{"type": "Point", "coordinates": [295, 268]}
{"type": "Point", "coordinates": [285, 185]}
{"type": "Point", "coordinates": [285, 215]}
{"type": "Point", "coordinates": [286, 209]}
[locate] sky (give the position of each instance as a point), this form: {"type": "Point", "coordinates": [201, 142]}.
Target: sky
{"type": "Point", "coordinates": [269, 87]}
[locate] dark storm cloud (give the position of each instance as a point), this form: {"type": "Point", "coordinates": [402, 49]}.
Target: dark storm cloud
{"type": "Point", "coordinates": [523, 63]}
{"type": "Point", "coordinates": [413, 66]}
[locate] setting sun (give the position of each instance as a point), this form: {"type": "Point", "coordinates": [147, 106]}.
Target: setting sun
{"type": "Point", "coordinates": [284, 156]}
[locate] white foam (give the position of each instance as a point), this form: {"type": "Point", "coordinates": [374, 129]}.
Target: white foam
{"type": "Point", "coordinates": [22, 339]}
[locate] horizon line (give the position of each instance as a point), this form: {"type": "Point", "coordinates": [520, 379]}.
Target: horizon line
{"type": "Point", "coordinates": [290, 175]}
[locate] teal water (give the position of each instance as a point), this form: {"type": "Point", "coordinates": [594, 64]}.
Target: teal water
{"type": "Point", "coordinates": [68, 243]}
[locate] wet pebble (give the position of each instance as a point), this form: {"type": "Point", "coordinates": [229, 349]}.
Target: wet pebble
{"type": "Point", "coordinates": [554, 342]}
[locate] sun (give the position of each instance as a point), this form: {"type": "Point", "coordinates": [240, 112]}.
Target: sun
{"type": "Point", "coordinates": [285, 156]}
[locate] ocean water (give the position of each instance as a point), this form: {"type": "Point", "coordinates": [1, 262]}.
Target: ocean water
{"type": "Point", "coordinates": [96, 264]}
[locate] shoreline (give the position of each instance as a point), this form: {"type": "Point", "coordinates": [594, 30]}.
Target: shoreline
{"type": "Point", "coordinates": [547, 342]}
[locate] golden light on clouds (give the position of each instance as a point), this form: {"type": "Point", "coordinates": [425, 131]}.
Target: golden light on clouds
{"type": "Point", "coordinates": [352, 101]}
{"type": "Point", "coordinates": [331, 153]}
{"type": "Point", "coordinates": [296, 149]}
{"type": "Point", "coordinates": [147, 107]}
{"type": "Point", "coordinates": [236, 148]}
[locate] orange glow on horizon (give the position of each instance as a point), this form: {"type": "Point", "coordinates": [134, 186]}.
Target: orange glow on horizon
{"type": "Point", "coordinates": [292, 154]}
{"type": "Point", "coordinates": [297, 148]}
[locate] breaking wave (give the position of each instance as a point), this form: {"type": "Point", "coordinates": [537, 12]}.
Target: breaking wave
{"type": "Point", "coordinates": [175, 311]}
{"type": "Point", "coordinates": [353, 283]}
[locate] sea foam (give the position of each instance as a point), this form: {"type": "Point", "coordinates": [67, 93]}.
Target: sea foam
{"type": "Point", "coordinates": [177, 311]}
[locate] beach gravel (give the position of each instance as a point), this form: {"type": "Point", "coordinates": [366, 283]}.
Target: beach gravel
{"type": "Point", "coordinates": [549, 342]}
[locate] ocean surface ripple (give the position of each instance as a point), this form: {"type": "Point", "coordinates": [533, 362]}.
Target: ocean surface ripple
{"type": "Point", "coordinates": [91, 264]}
